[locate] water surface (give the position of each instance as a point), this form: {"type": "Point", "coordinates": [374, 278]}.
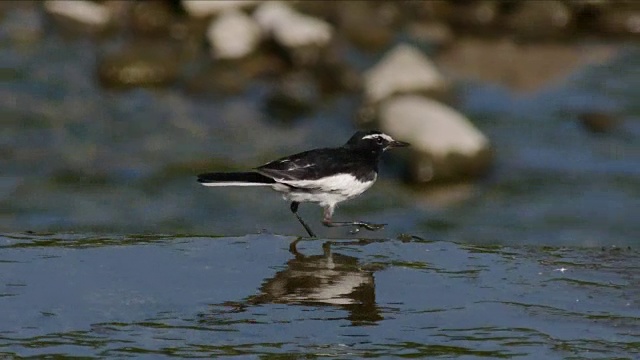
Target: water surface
{"type": "Point", "coordinates": [151, 296]}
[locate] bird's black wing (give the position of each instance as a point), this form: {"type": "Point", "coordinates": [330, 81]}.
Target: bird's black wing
{"type": "Point", "coordinates": [308, 165]}
{"type": "Point", "coordinates": [315, 164]}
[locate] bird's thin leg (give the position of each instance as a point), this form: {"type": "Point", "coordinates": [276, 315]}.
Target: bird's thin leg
{"type": "Point", "coordinates": [294, 210]}
{"type": "Point", "coordinates": [328, 213]}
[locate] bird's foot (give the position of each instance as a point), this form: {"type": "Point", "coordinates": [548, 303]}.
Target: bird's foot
{"type": "Point", "coordinates": [366, 225]}
{"type": "Point", "coordinates": [372, 227]}
{"type": "Point", "coordinates": [357, 224]}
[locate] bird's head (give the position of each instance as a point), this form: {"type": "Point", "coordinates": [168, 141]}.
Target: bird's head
{"type": "Point", "coordinates": [374, 141]}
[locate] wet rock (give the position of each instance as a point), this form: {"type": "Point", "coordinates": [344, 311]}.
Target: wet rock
{"type": "Point", "coordinates": [143, 65]}
{"type": "Point", "coordinates": [445, 145]}
{"type": "Point", "coordinates": [599, 121]}
{"type": "Point", "coordinates": [233, 35]}
{"type": "Point", "coordinates": [404, 69]}
{"type": "Point", "coordinates": [295, 96]}
{"type": "Point", "coordinates": [205, 8]}
{"type": "Point", "coordinates": [80, 15]}
{"type": "Point", "coordinates": [301, 35]}
{"type": "Point", "coordinates": [540, 19]}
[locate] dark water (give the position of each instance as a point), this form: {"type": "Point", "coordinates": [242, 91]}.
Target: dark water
{"type": "Point", "coordinates": [152, 296]}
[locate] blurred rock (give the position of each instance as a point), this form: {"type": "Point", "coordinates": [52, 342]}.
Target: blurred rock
{"type": "Point", "coordinates": [151, 18]}
{"type": "Point", "coordinates": [362, 25]}
{"type": "Point", "coordinates": [445, 145]}
{"type": "Point", "coordinates": [335, 77]}
{"type": "Point", "coordinates": [622, 20]}
{"type": "Point", "coordinates": [89, 15]}
{"type": "Point", "coordinates": [404, 69]}
{"type": "Point", "coordinates": [522, 67]}
{"type": "Point", "coordinates": [226, 77]}
{"type": "Point", "coordinates": [295, 95]}
{"type": "Point", "coordinates": [599, 121]}
{"type": "Point", "coordinates": [217, 81]}
{"type": "Point", "coordinates": [475, 16]}
{"type": "Point", "coordinates": [190, 35]}
{"type": "Point", "coordinates": [139, 65]}
{"type": "Point", "coordinates": [303, 36]}
{"type": "Point", "coordinates": [428, 10]}
{"type": "Point", "coordinates": [205, 8]}
{"type": "Point", "coordinates": [319, 9]}
{"type": "Point", "coordinates": [533, 20]}
{"type": "Point", "coordinates": [291, 28]}
{"type": "Point", "coordinates": [233, 35]}
{"type": "Point", "coordinates": [432, 33]}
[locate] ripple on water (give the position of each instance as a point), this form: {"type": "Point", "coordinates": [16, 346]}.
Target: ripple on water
{"type": "Point", "coordinates": [158, 295]}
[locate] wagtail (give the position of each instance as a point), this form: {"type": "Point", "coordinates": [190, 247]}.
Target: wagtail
{"type": "Point", "coordinates": [325, 176]}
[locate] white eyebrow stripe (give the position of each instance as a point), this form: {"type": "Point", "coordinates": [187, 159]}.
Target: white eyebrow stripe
{"type": "Point", "coordinates": [384, 136]}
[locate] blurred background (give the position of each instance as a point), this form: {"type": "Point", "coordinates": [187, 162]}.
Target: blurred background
{"type": "Point", "coordinates": [524, 115]}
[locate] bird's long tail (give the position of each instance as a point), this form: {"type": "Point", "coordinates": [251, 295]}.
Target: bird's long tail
{"type": "Point", "coordinates": [234, 179]}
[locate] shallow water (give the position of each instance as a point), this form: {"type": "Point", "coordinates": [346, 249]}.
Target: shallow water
{"type": "Point", "coordinates": [151, 296]}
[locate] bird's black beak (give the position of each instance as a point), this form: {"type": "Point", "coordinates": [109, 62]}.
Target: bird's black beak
{"type": "Point", "coordinates": [396, 144]}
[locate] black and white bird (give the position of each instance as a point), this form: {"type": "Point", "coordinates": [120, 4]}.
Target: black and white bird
{"type": "Point", "coordinates": [325, 176]}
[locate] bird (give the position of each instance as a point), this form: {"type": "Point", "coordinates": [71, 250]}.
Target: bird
{"type": "Point", "coordinates": [325, 176]}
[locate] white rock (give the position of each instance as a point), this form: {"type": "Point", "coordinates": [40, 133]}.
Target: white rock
{"type": "Point", "coordinates": [203, 8]}
{"type": "Point", "coordinates": [86, 12]}
{"type": "Point", "coordinates": [403, 69]}
{"type": "Point", "coordinates": [301, 30]}
{"type": "Point", "coordinates": [291, 28]}
{"type": "Point", "coordinates": [233, 35]}
{"type": "Point", "coordinates": [430, 126]}
{"type": "Point", "coordinates": [269, 13]}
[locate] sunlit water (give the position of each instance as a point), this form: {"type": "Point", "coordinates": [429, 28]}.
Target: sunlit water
{"type": "Point", "coordinates": [119, 296]}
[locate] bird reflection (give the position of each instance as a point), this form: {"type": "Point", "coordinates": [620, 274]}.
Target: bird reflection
{"type": "Point", "coordinates": [330, 279]}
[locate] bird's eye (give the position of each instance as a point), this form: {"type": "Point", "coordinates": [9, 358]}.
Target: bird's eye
{"type": "Point", "coordinates": [379, 140]}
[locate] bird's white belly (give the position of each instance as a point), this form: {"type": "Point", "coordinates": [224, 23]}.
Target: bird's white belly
{"type": "Point", "coordinates": [327, 191]}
